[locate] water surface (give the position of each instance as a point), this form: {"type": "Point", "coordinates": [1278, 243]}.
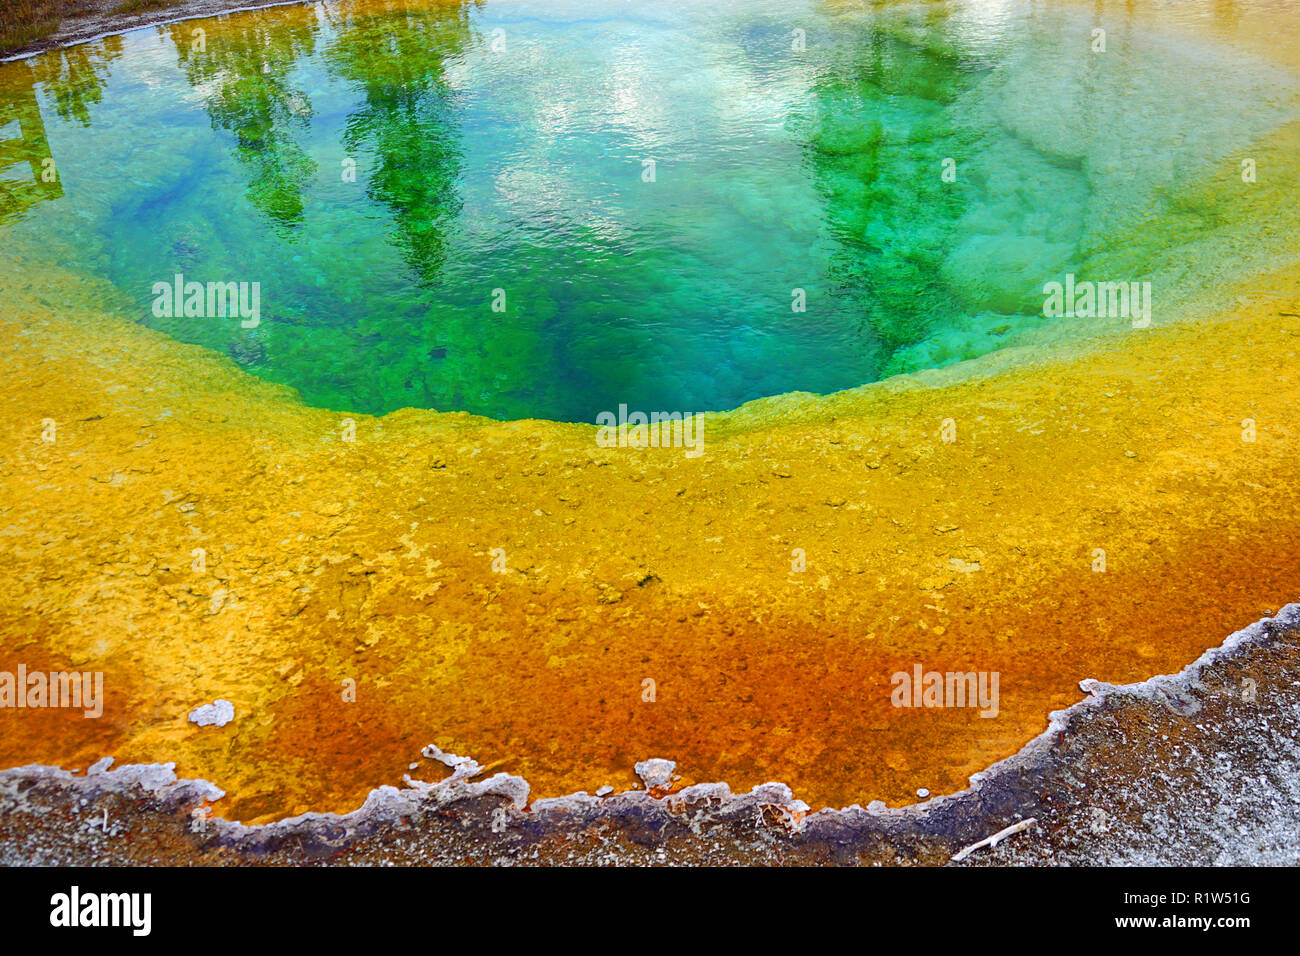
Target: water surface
{"type": "Point", "coordinates": [549, 209]}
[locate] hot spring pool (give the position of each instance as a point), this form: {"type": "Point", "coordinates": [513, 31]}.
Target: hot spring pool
{"type": "Point", "coordinates": [548, 209]}
{"type": "Point", "coordinates": [557, 209]}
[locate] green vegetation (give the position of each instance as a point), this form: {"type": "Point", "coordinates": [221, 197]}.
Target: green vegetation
{"type": "Point", "coordinates": [25, 22]}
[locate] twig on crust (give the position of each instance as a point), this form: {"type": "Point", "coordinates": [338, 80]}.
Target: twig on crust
{"type": "Point", "coordinates": [994, 839]}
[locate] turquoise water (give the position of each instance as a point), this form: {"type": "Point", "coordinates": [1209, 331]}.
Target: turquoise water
{"type": "Point", "coordinates": [505, 246]}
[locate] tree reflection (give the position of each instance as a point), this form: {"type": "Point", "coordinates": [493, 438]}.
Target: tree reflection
{"type": "Point", "coordinates": [396, 52]}
{"type": "Point", "coordinates": [75, 76]}
{"type": "Point", "coordinates": [248, 69]}
{"type": "Point", "coordinates": [18, 104]}
{"type": "Point", "coordinates": [889, 208]}
{"type": "Point", "coordinates": [891, 211]}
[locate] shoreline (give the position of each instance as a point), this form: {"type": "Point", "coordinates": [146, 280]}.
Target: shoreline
{"type": "Point", "coordinates": [106, 22]}
{"type": "Point", "coordinates": [1085, 803]}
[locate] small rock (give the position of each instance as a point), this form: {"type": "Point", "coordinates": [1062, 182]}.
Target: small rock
{"type": "Point", "coordinates": [216, 714]}
{"type": "Point", "coordinates": [656, 772]}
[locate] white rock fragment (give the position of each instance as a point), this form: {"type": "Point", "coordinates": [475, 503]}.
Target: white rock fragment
{"type": "Point", "coordinates": [99, 766]}
{"type": "Point", "coordinates": [923, 793]}
{"type": "Point", "coordinates": [656, 772]}
{"type": "Point", "coordinates": [604, 790]}
{"type": "Point", "coordinates": [216, 714]}
{"type": "Point", "coordinates": [461, 767]}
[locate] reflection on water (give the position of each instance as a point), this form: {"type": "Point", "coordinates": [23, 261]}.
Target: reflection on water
{"type": "Point", "coordinates": [547, 210]}
{"type": "Point", "coordinates": [250, 93]}
{"type": "Point", "coordinates": [878, 147]}
{"type": "Point", "coordinates": [75, 78]}
{"type": "Point", "coordinates": [405, 126]}
{"type": "Point", "coordinates": [19, 108]}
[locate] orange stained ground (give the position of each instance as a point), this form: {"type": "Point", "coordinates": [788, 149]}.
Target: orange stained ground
{"type": "Point", "coordinates": [372, 561]}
